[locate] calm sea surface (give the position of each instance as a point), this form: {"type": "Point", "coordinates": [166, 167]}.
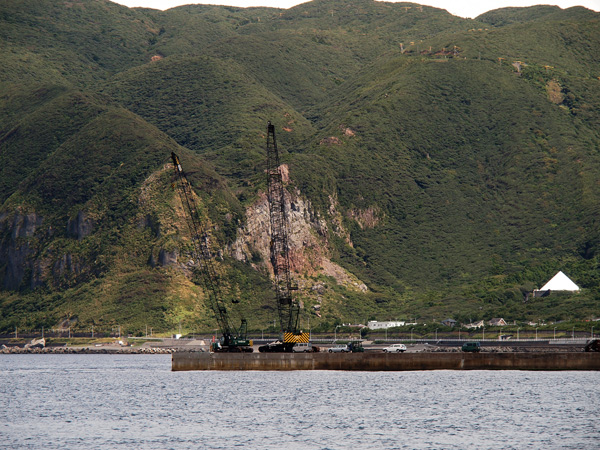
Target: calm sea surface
{"type": "Point", "coordinates": [136, 402]}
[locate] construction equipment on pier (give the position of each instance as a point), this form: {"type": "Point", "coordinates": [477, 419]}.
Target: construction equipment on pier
{"type": "Point", "coordinates": [288, 308]}
{"type": "Point", "coordinates": [233, 339]}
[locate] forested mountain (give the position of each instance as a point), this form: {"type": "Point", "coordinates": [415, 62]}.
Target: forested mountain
{"type": "Point", "coordinates": [438, 166]}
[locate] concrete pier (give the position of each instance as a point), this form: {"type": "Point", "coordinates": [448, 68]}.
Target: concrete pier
{"type": "Point", "coordinates": [385, 361]}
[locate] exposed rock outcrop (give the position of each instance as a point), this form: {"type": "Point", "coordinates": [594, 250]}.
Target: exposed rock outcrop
{"type": "Point", "coordinates": [25, 225]}
{"type": "Point", "coordinates": [67, 263]}
{"type": "Point", "coordinates": [41, 268]}
{"type": "Point", "coordinates": [81, 226]}
{"type": "Point", "coordinates": [336, 219]}
{"type": "Point", "coordinates": [15, 249]}
{"type": "Point", "coordinates": [307, 235]}
{"type": "Point", "coordinates": [366, 218]}
{"type": "Point", "coordinates": [167, 258]}
{"type": "Point", "coordinates": [16, 258]}
{"type": "Point", "coordinates": [26, 263]}
{"type": "Point", "coordinates": [331, 140]}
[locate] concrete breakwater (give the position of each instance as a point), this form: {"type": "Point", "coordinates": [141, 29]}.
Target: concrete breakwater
{"type": "Point", "coordinates": [84, 350]}
{"type": "Point", "coordinates": [385, 361]}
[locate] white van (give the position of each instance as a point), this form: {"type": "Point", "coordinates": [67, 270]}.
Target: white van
{"type": "Point", "coordinates": [302, 347]}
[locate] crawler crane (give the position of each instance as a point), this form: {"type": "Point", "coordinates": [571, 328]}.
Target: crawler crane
{"type": "Point", "coordinates": [287, 307]}
{"type": "Point", "coordinates": [232, 339]}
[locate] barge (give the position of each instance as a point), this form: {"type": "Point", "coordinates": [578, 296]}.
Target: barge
{"type": "Point", "coordinates": [548, 361]}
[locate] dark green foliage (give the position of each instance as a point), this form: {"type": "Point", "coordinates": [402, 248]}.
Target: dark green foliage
{"type": "Point", "coordinates": [42, 132]}
{"type": "Point", "coordinates": [539, 13]}
{"type": "Point", "coordinates": [472, 174]}
{"type": "Point", "coordinates": [78, 41]}
{"type": "Point", "coordinates": [455, 161]}
{"type": "Point", "coordinates": [187, 97]}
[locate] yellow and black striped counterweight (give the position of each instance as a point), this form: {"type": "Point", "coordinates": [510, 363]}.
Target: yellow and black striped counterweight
{"type": "Point", "coordinates": [291, 337]}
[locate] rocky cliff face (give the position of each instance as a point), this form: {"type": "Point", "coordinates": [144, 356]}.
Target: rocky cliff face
{"type": "Point", "coordinates": [34, 253]}
{"type": "Point", "coordinates": [81, 226]}
{"type": "Point", "coordinates": [16, 250]}
{"type": "Point", "coordinates": [23, 261]}
{"type": "Point", "coordinates": [308, 240]}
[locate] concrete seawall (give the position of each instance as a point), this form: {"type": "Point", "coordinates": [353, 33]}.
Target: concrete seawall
{"type": "Point", "coordinates": [385, 361]}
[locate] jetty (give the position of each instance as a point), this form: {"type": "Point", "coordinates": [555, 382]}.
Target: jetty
{"type": "Point", "coordinates": [375, 361]}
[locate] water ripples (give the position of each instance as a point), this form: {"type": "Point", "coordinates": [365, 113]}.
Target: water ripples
{"type": "Point", "coordinates": [135, 401]}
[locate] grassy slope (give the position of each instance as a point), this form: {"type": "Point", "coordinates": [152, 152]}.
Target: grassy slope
{"type": "Point", "coordinates": [494, 187]}
{"type": "Point", "coordinates": [211, 106]}
{"type": "Point", "coordinates": [303, 53]}
{"type": "Point", "coordinates": [80, 41]}
{"type": "Point", "coordinates": [111, 168]}
{"type": "Point", "coordinates": [507, 180]}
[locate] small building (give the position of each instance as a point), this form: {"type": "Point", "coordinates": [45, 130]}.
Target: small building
{"type": "Point", "coordinates": [497, 322]}
{"type": "Point", "coordinates": [449, 322]}
{"type": "Point", "coordinates": [374, 325]}
{"type": "Point", "coordinates": [475, 325]}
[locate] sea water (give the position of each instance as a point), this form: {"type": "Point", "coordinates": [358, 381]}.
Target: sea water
{"type": "Point", "coordinates": [136, 402]}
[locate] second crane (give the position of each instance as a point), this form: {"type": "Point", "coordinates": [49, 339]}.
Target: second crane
{"type": "Point", "coordinates": [287, 306]}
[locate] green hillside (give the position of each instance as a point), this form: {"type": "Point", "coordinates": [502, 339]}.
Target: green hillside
{"type": "Point", "coordinates": [185, 96]}
{"type": "Point", "coordinates": [449, 165]}
{"type": "Point", "coordinates": [467, 173]}
{"type": "Point", "coordinates": [77, 42]}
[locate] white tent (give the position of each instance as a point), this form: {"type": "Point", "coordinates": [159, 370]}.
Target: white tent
{"type": "Point", "coordinates": [560, 282]}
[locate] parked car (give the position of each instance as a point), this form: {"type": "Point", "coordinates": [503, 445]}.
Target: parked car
{"type": "Point", "coordinates": [593, 346]}
{"type": "Point", "coordinates": [395, 348]}
{"type": "Point", "coordinates": [471, 347]}
{"type": "Point", "coordinates": [355, 347]}
{"type": "Point", "coordinates": [340, 348]}
{"type": "Point", "coordinates": [302, 347]}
